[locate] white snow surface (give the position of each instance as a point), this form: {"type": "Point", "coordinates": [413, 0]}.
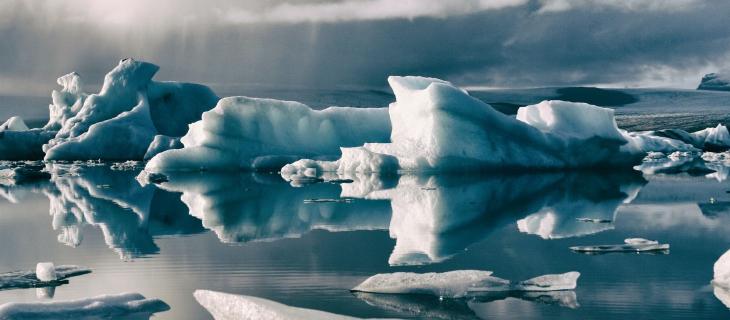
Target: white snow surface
{"type": "Point", "coordinates": [225, 306]}
{"type": "Point", "coordinates": [252, 133]}
{"type": "Point", "coordinates": [461, 283]}
{"type": "Point", "coordinates": [45, 271]}
{"type": "Point", "coordinates": [100, 307]}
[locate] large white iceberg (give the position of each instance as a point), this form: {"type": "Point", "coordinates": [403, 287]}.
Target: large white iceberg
{"type": "Point", "coordinates": [462, 283]}
{"type": "Point", "coordinates": [251, 133]}
{"type": "Point", "coordinates": [101, 307]}
{"type": "Point", "coordinates": [438, 127]}
{"type": "Point", "coordinates": [225, 306]}
{"type": "Point", "coordinates": [721, 278]}
{"type": "Point", "coordinates": [121, 121]}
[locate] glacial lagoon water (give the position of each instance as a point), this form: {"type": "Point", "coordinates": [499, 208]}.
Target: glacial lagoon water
{"type": "Point", "coordinates": [258, 235]}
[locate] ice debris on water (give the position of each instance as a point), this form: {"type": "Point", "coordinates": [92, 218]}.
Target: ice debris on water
{"type": "Point", "coordinates": [46, 271]}
{"type": "Point", "coordinates": [630, 245]}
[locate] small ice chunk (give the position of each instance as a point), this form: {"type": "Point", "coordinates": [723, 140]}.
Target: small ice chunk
{"type": "Point", "coordinates": [462, 283]}
{"type": "Point", "coordinates": [639, 241]}
{"type": "Point", "coordinates": [45, 271]}
{"type": "Point", "coordinates": [631, 245]}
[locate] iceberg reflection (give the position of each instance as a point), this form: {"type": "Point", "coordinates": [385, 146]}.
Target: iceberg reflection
{"type": "Point", "coordinates": [129, 215]}
{"type": "Point", "coordinates": [432, 218]}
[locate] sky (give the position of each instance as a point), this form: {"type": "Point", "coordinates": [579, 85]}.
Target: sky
{"type": "Point", "coordinates": [358, 43]}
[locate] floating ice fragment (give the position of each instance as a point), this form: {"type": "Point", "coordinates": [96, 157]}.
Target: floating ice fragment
{"type": "Point", "coordinates": [23, 173]}
{"type": "Point", "coordinates": [46, 274]}
{"type": "Point", "coordinates": [225, 306]}
{"type": "Point", "coordinates": [341, 200]}
{"type": "Point", "coordinates": [99, 307]}
{"type": "Point", "coordinates": [462, 283]}
{"type": "Point", "coordinates": [631, 245]}
{"type": "Point", "coordinates": [45, 271]}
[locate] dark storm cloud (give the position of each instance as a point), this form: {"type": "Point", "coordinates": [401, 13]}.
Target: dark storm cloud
{"type": "Point", "coordinates": [360, 42]}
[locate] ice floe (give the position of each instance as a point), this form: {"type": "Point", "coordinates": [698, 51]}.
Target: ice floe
{"type": "Point", "coordinates": [225, 306]}
{"type": "Point", "coordinates": [721, 278]}
{"type": "Point", "coordinates": [113, 306]}
{"type": "Point", "coordinates": [462, 283]}
{"type": "Point", "coordinates": [630, 245]}
{"type": "Point", "coordinates": [45, 275]}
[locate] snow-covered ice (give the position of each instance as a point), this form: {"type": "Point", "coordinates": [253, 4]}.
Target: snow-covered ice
{"type": "Point", "coordinates": [225, 306]}
{"type": "Point", "coordinates": [721, 271]}
{"type": "Point", "coordinates": [630, 245]}
{"type": "Point", "coordinates": [462, 283]}
{"type": "Point", "coordinates": [251, 133]}
{"type": "Point", "coordinates": [100, 307]}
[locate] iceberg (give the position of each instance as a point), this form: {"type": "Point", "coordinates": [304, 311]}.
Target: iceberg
{"type": "Point", "coordinates": [21, 173]}
{"type": "Point", "coordinates": [721, 279]}
{"type": "Point", "coordinates": [123, 119]}
{"type": "Point", "coordinates": [630, 245]}
{"type": "Point", "coordinates": [251, 133]}
{"type": "Point", "coordinates": [438, 127]}
{"type": "Point", "coordinates": [462, 283]}
{"type": "Point", "coordinates": [45, 275]}
{"type": "Point", "coordinates": [226, 306]}
{"type": "Point", "coordinates": [101, 307]}
{"type": "Point", "coordinates": [719, 81]}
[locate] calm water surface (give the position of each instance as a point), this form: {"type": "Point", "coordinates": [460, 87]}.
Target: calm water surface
{"type": "Point", "coordinates": [255, 234]}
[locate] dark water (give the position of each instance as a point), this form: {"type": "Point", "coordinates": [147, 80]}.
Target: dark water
{"type": "Point", "coordinates": [255, 234]}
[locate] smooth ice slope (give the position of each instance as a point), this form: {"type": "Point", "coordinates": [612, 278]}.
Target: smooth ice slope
{"type": "Point", "coordinates": [225, 306]}
{"type": "Point", "coordinates": [251, 133]}
{"type": "Point", "coordinates": [463, 283]}
{"type": "Point", "coordinates": [100, 307]}
{"type": "Point", "coordinates": [438, 127]}
{"type": "Point", "coordinates": [121, 121]}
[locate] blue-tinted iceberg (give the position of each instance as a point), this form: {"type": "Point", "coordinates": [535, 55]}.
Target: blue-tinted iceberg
{"type": "Point", "coordinates": [121, 121]}
{"type": "Point", "coordinates": [719, 81]}
{"type": "Point", "coordinates": [250, 133]}
{"type": "Point", "coordinates": [438, 127]}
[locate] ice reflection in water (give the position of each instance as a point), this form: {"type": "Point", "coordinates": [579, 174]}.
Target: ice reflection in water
{"type": "Point", "coordinates": [432, 218]}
